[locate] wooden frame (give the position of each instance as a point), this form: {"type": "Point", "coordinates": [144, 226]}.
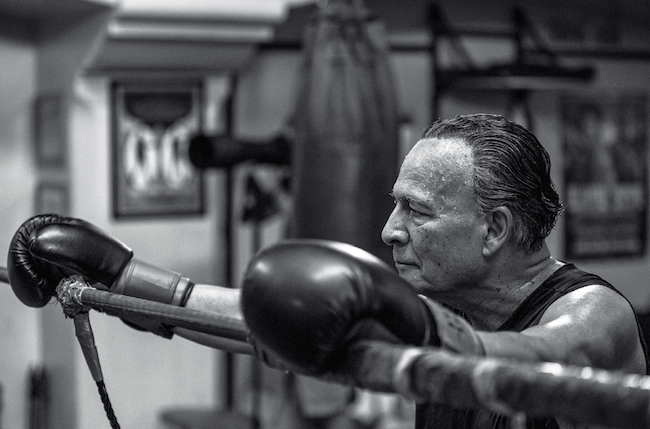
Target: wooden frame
{"type": "Point", "coordinates": [153, 122]}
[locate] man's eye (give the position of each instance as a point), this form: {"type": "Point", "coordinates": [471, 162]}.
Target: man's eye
{"type": "Point", "coordinates": [415, 211]}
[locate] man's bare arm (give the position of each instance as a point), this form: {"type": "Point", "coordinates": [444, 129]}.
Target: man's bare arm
{"type": "Point", "coordinates": [217, 300]}
{"type": "Point", "coordinates": [593, 326]}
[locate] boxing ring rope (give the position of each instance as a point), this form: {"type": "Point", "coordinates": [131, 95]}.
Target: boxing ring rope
{"type": "Point", "coordinates": [86, 339]}
{"type": "Point", "coordinates": [575, 394]}
{"type": "Point", "coordinates": [74, 292]}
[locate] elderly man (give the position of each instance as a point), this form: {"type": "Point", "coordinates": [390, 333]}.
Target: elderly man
{"type": "Point", "coordinates": [474, 203]}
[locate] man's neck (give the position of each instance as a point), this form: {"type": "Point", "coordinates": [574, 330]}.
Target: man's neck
{"type": "Point", "coordinates": [507, 287]}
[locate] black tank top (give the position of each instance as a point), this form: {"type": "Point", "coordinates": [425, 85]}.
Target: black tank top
{"type": "Point", "coordinates": [565, 280]}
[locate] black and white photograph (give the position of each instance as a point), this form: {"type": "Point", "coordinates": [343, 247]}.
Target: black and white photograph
{"type": "Point", "coordinates": [325, 214]}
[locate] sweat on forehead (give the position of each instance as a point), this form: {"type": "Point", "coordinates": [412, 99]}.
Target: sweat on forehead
{"type": "Point", "coordinates": [437, 165]}
{"type": "Point", "coordinates": [442, 153]}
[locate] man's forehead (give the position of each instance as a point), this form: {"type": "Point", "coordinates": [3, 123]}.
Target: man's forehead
{"type": "Point", "coordinates": [435, 164]}
{"type": "Point", "coordinates": [441, 156]}
{"type": "Point", "coordinates": [442, 149]}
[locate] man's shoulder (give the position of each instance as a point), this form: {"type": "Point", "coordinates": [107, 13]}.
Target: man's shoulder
{"type": "Point", "coordinates": [590, 300]}
{"type": "Point", "coordinates": [605, 322]}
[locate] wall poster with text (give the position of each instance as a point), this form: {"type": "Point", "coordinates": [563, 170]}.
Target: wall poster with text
{"type": "Point", "coordinates": [605, 170]}
{"type": "Point", "coordinates": [153, 123]}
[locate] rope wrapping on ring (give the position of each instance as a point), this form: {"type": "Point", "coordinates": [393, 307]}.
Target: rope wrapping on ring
{"type": "Point", "coordinates": [200, 321]}
{"type": "Point", "coordinates": [84, 334]}
{"type": "Point", "coordinates": [77, 298]}
{"type": "Point", "coordinates": [68, 292]}
{"type": "Point", "coordinates": [579, 394]}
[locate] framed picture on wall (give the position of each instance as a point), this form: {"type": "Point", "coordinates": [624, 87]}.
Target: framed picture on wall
{"type": "Point", "coordinates": [49, 131]}
{"type": "Point", "coordinates": [153, 122]}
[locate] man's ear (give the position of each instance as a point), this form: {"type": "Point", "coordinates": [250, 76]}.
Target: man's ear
{"type": "Point", "coordinates": [499, 222]}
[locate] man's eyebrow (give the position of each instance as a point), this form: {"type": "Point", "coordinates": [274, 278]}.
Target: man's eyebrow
{"type": "Point", "coordinates": [410, 198]}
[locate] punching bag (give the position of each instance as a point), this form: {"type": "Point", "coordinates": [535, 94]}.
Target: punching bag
{"type": "Point", "coordinates": [345, 123]}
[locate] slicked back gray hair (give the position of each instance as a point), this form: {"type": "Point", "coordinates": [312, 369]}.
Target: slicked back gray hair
{"type": "Point", "coordinates": [511, 169]}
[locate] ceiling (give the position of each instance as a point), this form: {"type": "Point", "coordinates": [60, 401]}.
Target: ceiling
{"type": "Point", "coordinates": [65, 9]}
{"type": "Point", "coordinates": [402, 18]}
{"type": "Point", "coordinates": [35, 10]}
{"type": "Point", "coordinates": [396, 14]}
{"type": "Point", "coordinates": [410, 27]}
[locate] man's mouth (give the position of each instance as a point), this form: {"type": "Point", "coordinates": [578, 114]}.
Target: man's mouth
{"type": "Point", "coordinates": [399, 264]}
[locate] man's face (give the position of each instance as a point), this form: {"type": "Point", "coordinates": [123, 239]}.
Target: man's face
{"type": "Point", "coordinates": [434, 229]}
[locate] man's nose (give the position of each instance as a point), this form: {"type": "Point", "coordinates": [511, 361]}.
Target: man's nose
{"type": "Point", "coordinates": [394, 232]}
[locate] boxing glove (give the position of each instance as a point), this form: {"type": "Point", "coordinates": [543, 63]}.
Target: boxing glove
{"type": "Point", "coordinates": [305, 301]}
{"type": "Point", "coordinates": [47, 248]}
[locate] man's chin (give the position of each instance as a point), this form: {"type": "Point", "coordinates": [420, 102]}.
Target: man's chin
{"type": "Point", "coordinates": [420, 285]}
{"type": "Point", "coordinates": [412, 275]}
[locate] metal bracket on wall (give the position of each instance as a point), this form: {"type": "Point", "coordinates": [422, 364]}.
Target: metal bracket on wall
{"type": "Point", "coordinates": [534, 66]}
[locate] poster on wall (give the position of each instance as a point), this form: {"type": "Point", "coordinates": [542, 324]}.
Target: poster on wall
{"type": "Point", "coordinates": [153, 123]}
{"type": "Point", "coordinates": [605, 171]}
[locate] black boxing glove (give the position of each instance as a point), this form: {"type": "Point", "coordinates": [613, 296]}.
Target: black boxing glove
{"type": "Point", "coordinates": [304, 300]}
{"type": "Point", "coordinates": [47, 248]}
